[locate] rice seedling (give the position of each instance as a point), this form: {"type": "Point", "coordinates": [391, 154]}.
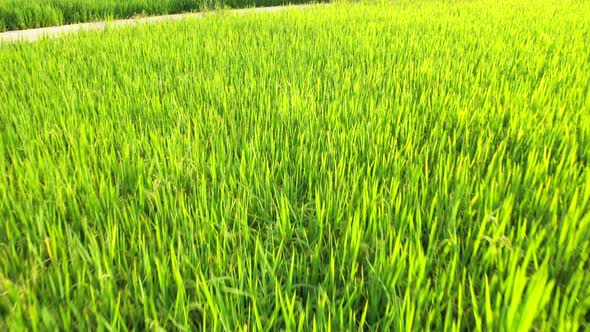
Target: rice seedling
{"type": "Point", "coordinates": [373, 166]}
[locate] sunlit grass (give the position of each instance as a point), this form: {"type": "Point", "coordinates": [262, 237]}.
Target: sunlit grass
{"type": "Point", "coordinates": [403, 166]}
{"type": "Point", "coordinates": [28, 14]}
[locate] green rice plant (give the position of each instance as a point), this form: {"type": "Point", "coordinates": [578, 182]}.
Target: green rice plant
{"type": "Point", "coordinates": [373, 166]}
{"type": "Point", "coordinates": [26, 14]}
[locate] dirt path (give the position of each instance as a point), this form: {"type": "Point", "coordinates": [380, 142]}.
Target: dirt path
{"type": "Point", "coordinates": [34, 34]}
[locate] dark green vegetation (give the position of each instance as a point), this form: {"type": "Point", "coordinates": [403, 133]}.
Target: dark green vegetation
{"type": "Point", "coordinates": [27, 14]}
{"type": "Point", "coordinates": [410, 166]}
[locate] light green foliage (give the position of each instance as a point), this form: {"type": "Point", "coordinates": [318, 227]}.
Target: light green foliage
{"type": "Point", "coordinates": [26, 14]}
{"type": "Point", "coordinates": [405, 166]}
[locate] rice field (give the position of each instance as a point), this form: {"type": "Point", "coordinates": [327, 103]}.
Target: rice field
{"type": "Point", "coordinates": [405, 166]}
{"type": "Point", "coordinates": [29, 14]}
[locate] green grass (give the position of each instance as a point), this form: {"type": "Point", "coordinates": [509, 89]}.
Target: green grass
{"type": "Point", "coordinates": [27, 14]}
{"type": "Point", "coordinates": [404, 166]}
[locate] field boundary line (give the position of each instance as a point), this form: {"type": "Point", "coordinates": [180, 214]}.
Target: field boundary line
{"type": "Point", "coordinates": [32, 35]}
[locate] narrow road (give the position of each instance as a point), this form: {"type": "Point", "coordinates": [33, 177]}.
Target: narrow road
{"type": "Point", "coordinates": [32, 35]}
